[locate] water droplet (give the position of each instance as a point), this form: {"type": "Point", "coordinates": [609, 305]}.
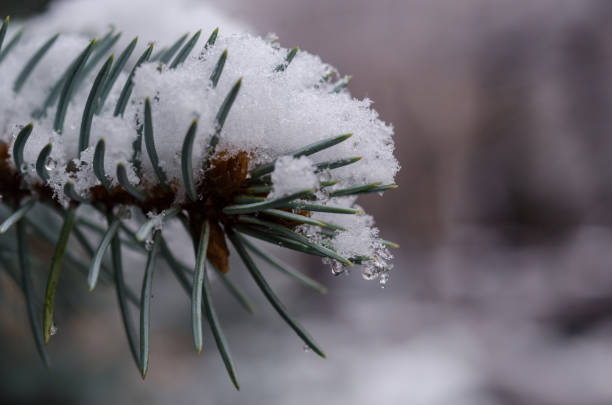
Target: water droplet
{"type": "Point", "coordinates": [368, 275]}
{"type": "Point", "coordinates": [383, 279]}
{"type": "Point", "coordinates": [337, 268]}
{"type": "Point", "coordinates": [24, 167]}
{"type": "Point", "coordinates": [149, 244]}
{"type": "Point", "coordinates": [50, 164]}
{"type": "Point", "coordinates": [307, 349]}
{"type": "Point", "coordinates": [53, 330]}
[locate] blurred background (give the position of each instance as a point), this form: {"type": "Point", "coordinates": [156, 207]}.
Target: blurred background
{"type": "Point", "coordinates": [502, 289]}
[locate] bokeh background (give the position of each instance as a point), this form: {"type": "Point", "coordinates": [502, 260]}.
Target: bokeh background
{"type": "Point", "coordinates": [502, 289]}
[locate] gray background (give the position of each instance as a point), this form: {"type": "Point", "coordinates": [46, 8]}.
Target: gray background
{"type": "Point", "coordinates": [502, 290]}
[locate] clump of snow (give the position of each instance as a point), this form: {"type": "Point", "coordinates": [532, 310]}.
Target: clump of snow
{"type": "Point", "coordinates": [158, 219]}
{"type": "Point", "coordinates": [274, 114]}
{"type": "Point", "coordinates": [291, 175]}
{"type": "Point", "coordinates": [359, 239]}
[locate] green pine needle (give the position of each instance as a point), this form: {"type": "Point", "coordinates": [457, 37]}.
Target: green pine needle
{"type": "Point", "coordinates": [150, 145]}
{"type": "Point", "coordinates": [94, 269]}
{"type": "Point", "coordinates": [305, 151]}
{"type": "Point", "coordinates": [342, 84]}
{"type": "Point", "coordinates": [92, 104]}
{"type": "Point", "coordinates": [16, 216]}
{"type": "Point", "coordinates": [166, 56]}
{"type": "Point", "coordinates": [106, 275]}
{"type": "Point", "coordinates": [186, 161]}
{"type": "Point", "coordinates": [185, 51]}
{"type": "Point", "coordinates": [122, 298]}
{"type": "Point", "coordinates": [212, 39]}
{"type": "Point", "coordinates": [145, 305]}
{"type": "Point", "coordinates": [285, 268]}
{"type": "Point", "coordinates": [292, 217]}
{"type": "Point", "coordinates": [198, 281]}
{"type": "Point", "coordinates": [98, 164]}
{"type": "Point", "coordinates": [265, 189]}
{"type": "Point", "coordinates": [278, 240]}
{"type": "Point", "coordinates": [337, 163]}
{"type": "Point", "coordinates": [180, 270]}
{"type": "Point", "coordinates": [126, 92]}
{"type": "Point", "coordinates": [265, 204]}
{"type": "Point", "coordinates": [11, 45]}
{"type": "Point", "coordinates": [390, 244]}
{"type": "Point", "coordinates": [3, 29]}
{"type": "Point", "coordinates": [41, 162]}
{"type": "Point", "coordinates": [20, 142]}
{"type": "Point", "coordinates": [114, 73]}
{"type": "Point", "coordinates": [365, 189]}
{"type": "Point", "coordinates": [301, 205]}
{"type": "Point", "coordinates": [83, 222]}
{"type": "Point", "coordinates": [102, 47]}
{"type": "Point", "coordinates": [237, 241]}
{"type": "Point", "coordinates": [290, 55]}
{"type": "Point", "coordinates": [215, 326]}
{"type": "Point", "coordinates": [220, 121]}
{"type": "Point", "coordinates": [54, 273]}
{"type": "Point", "coordinates": [32, 63]}
{"type": "Point", "coordinates": [322, 208]}
{"type": "Point", "coordinates": [216, 74]}
{"type": "Point", "coordinates": [125, 183]}
{"type": "Point", "coordinates": [53, 94]}
{"type": "Point", "coordinates": [288, 233]}
{"type": "Point", "coordinates": [28, 291]}
{"type": "Point", "coordinates": [71, 193]}
{"type": "Point", "coordinates": [69, 86]}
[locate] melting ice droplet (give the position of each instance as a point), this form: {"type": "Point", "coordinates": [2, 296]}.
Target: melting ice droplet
{"type": "Point", "coordinates": [50, 164]}
{"type": "Point", "coordinates": [337, 268]}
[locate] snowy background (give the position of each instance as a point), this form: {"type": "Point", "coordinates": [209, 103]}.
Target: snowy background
{"type": "Point", "coordinates": [502, 290]}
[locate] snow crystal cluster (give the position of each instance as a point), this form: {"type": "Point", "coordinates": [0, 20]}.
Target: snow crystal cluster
{"type": "Point", "coordinates": [275, 113]}
{"type": "Point", "coordinates": [291, 175]}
